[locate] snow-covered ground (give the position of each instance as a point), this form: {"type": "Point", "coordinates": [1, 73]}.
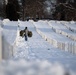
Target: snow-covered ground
{"type": "Point", "coordinates": [56, 36]}
{"type": "Point", "coordinates": [36, 56]}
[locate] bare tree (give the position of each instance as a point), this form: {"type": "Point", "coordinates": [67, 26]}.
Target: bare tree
{"type": "Point", "coordinates": [12, 9]}
{"type": "Point", "coordinates": [32, 8]}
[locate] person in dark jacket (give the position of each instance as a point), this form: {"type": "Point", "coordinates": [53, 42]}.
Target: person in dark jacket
{"type": "Point", "coordinates": [26, 33]}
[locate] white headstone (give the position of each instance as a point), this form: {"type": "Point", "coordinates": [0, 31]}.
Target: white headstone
{"type": "Point", "coordinates": [0, 43]}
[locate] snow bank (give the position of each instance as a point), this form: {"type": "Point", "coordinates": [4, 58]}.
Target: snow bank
{"type": "Point", "coordinates": [36, 67]}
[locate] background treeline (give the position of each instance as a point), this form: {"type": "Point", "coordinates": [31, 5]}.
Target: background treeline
{"type": "Point", "coordinates": [2, 9]}
{"type": "Point", "coordinates": [12, 9]}
{"type": "Point", "coordinates": [38, 9]}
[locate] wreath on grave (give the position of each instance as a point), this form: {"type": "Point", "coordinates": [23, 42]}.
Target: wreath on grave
{"type": "Point", "coordinates": [22, 33]}
{"type": "Point", "coordinates": [29, 33]}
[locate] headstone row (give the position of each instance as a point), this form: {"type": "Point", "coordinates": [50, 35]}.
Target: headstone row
{"type": "Point", "coordinates": [69, 35]}
{"type": "Point", "coordinates": [69, 46]}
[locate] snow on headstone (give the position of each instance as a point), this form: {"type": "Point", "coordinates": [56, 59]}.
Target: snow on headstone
{"type": "Point", "coordinates": [18, 21]}
{"type": "Point", "coordinates": [52, 21]}
{"type": "Point", "coordinates": [5, 21]}
{"type": "Point", "coordinates": [58, 21]}
{"type": "Point", "coordinates": [72, 22]}
{"type": "Point", "coordinates": [31, 21]}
